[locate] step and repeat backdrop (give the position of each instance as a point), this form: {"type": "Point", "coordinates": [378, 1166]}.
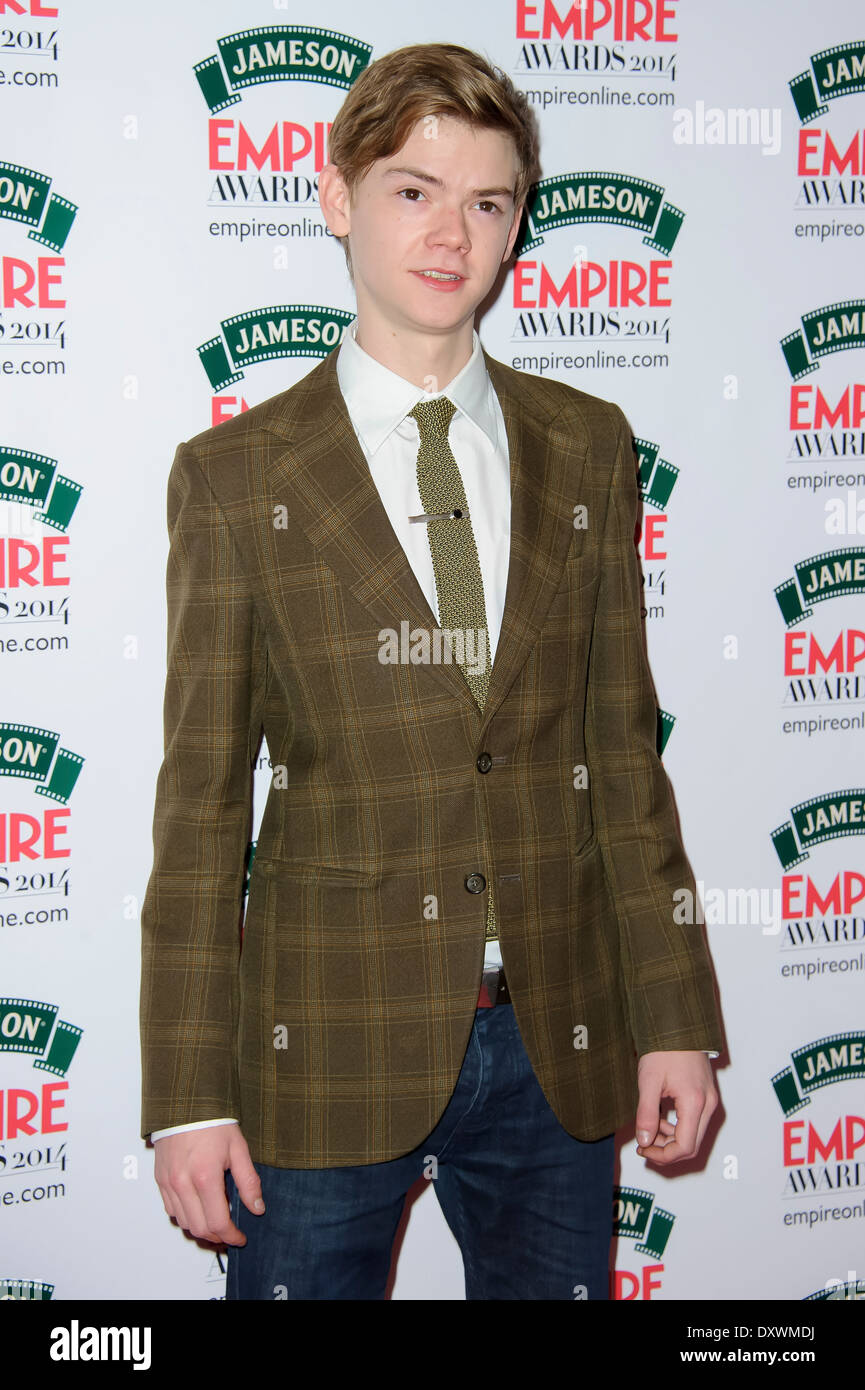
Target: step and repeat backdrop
{"type": "Point", "coordinates": [693, 252]}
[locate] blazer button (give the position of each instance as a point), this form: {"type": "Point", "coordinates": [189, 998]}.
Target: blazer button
{"type": "Point", "coordinates": [485, 762]}
{"type": "Point", "coordinates": [475, 883]}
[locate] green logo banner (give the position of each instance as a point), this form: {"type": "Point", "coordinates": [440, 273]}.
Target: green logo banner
{"type": "Point", "coordinates": [665, 728]}
{"type": "Point", "coordinates": [277, 51]}
{"type": "Point", "coordinates": [657, 477]}
{"type": "Point", "coordinates": [850, 1288]}
{"type": "Point", "coordinates": [831, 574]}
{"type": "Point", "coordinates": [840, 1057]}
{"type": "Point", "coordinates": [26, 196]}
{"type": "Point", "coordinates": [28, 751]}
{"type": "Point", "coordinates": [827, 817]}
{"type": "Point", "coordinates": [33, 480]}
{"type": "Point", "coordinates": [26, 1025]}
{"type": "Point", "coordinates": [597, 196]}
{"type": "Point", "coordinates": [282, 330]}
{"type": "Point", "coordinates": [834, 328]}
{"type": "Point", "coordinates": [834, 72]}
{"type": "Point", "coordinates": [31, 1290]}
{"type": "Point", "coordinates": [638, 1218]}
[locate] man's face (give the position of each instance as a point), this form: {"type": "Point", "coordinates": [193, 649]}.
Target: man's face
{"type": "Point", "coordinates": [444, 202]}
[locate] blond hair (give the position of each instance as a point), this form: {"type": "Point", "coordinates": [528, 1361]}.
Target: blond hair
{"type": "Point", "coordinates": [431, 79]}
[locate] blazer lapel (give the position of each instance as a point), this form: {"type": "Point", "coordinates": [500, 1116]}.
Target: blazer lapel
{"type": "Point", "coordinates": [547, 468]}
{"type": "Point", "coordinates": [323, 480]}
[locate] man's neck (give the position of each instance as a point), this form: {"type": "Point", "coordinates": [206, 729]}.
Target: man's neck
{"type": "Point", "coordinates": [431, 361]}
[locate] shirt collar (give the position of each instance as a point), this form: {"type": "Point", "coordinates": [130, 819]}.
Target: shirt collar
{"type": "Point", "coordinates": [379, 399]}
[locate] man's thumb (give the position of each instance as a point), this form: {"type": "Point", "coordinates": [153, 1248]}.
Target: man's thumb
{"type": "Point", "coordinates": [248, 1183]}
{"type": "Point", "coordinates": [648, 1112]}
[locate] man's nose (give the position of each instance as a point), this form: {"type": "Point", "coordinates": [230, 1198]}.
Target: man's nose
{"type": "Point", "coordinates": [451, 229]}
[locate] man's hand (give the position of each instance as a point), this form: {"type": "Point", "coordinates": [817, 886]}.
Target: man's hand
{"type": "Point", "coordinates": [190, 1173]}
{"type": "Point", "coordinates": [686, 1079]}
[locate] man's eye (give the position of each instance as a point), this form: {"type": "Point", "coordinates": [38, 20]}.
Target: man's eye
{"type": "Point", "coordinates": [494, 206]}
{"type": "Point", "coordinates": [410, 190]}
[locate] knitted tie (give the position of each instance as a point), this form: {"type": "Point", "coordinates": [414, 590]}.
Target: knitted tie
{"type": "Point", "coordinates": [459, 583]}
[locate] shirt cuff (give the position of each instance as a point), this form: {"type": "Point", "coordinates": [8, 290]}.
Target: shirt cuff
{"type": "Point", "coordinates": [197, 1124]}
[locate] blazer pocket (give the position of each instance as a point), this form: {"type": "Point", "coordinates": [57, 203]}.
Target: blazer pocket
{"type": "Point", "coordinates": [311, 872]}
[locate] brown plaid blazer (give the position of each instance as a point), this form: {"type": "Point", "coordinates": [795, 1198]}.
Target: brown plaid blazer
{"type": "Point", "coordinates": [336, 1034]}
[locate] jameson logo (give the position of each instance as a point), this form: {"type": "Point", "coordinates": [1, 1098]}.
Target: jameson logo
{"type": "Point", "coordinates": [30, 1290]}
{"type": "Point", "coordinates": [32, 479]}
{"type": "Point", "coordinates": [664, 729]}
{"type": "Point", "coordinates": [834, 72]}
{"type": "Point", "coordinates": [657, 478]}
{"type": "Point", "coordinates": [827, 817]}
{"type": "Point", "coordinates": [28, 1026]}
{"type": "Point", "coordinates": [840, 1057]}
{"type": "Point", "coordinates": [601, 197]}
{"type": "Point", "coordinates": [636, 1217]}
{"type": "Point", "coordinates": [834, 328]}
{"type": "Point", "coordinates": [283, 330]}
{"type": "Point", "coordinates": [831, 574]}
{"type": "Point", "coordinates": [27, 751]}
{"type": "Point", "coordinates": [26, 196]}
{"type": "Point", "coordinates": [277, 51]}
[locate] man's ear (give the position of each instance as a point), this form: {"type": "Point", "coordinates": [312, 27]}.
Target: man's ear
{"type": "Point", "coordinates": [334, 201]}
{"type": "Point", "coordinates": [515, 227]}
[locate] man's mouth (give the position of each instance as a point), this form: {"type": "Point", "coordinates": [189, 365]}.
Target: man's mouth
{"type": "Point", "coordinates": [441, 274]}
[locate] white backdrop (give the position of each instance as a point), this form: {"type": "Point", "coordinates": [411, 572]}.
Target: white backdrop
{"type": "Point", "coordinates": [130, 230]}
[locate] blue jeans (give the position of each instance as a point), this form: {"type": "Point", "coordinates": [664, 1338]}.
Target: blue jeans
{"type": "Point", "coordinates": [530, 1206]}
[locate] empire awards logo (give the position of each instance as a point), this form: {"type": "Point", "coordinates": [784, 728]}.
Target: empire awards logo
{"type": "Point", "coordinates": [32, 1117]}
{"type": "Point", "coordinates": [597, 52]}
{"type": "Point", "coordinates": [31, 844]}
{"type": "Point", "coordinates": [32, 284]}
{"type": "Point", "coordinates": [830, 156]}
{"type": "Point", "coordinates": [823, 1153]}
{"type": "Point", "coordinates": [34, 494]}
{"type": "Point", "coordinates": [827, 441]}
{"type": "Point", "coordinates": [824, 690]}
{"type": "Point", "coordinates": [822, 907]}
{"type": "Point", "coordinates": [269, 163]}
{"type": "Point", "coordinates": [612, 301]}
{"type": "Point", "coordinates": [33, 50]}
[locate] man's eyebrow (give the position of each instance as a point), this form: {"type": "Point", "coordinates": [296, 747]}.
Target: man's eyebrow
{"type": "Point", "coordinates": [437, 183]}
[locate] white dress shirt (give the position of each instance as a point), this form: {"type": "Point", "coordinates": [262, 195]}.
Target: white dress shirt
{"type": "Point", "coordinates": [378, 401]}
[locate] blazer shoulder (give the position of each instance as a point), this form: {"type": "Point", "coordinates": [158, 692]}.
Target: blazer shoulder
{"type": "Point", "coordinates": [554, 397]}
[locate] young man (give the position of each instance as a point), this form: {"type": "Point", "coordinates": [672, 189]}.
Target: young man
{"type": "Point", "coordinates": [459, 957]}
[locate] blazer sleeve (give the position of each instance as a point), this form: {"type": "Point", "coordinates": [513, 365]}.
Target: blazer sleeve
{"type": "Point", "coordinates": [668, 980]}
{"type": "Point", "coordinates": [192, 910]}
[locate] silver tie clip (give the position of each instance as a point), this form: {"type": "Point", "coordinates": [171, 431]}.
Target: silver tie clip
{"type": "Point", "coordinates": [438, 516]}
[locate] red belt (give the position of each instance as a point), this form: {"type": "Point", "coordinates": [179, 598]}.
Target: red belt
{"type": "Point", "coordinates": [494, 988]}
